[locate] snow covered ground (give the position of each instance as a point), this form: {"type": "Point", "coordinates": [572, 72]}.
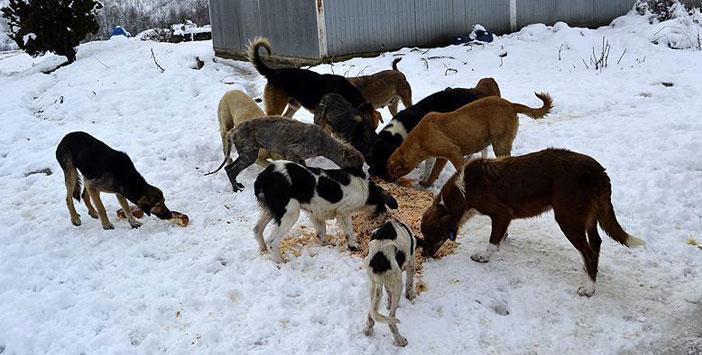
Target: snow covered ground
{"type": "Point", "coordinates": [205, 288]}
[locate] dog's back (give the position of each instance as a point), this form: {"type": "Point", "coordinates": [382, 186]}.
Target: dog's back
{"type": "Point", "coordinates": [90, 156]}
{"type": "Point", "coordinates": [236, 107]}
{"type": "Point", "coordinates": [305, 86]}
{"type": "Point", "coordinates": [446, 100]}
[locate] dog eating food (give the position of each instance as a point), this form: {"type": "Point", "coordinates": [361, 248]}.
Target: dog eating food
{"type": "Point", "coordinates": [178, 218]}
{"type": "Point", "coordinates": [573, 185]}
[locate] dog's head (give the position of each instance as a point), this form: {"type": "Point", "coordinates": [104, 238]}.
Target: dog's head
{"type": "Point", "coordinates": [152, 201]}
{"type": "Point", "coordinates": [397, 166]}
{"type": "Point", "coordinates": [488, 87]}
{"type": "Point", "coordinates": [438, 225]}
{"type": "Point", "coordinates": [379, 200]}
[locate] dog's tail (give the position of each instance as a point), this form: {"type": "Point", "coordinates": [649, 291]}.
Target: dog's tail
{"type": "Point", "coordinates": [63, 156]}
{"type": "Point", "coordinates": [536, 113]}
{"type": "Point", "coordinates": [608, 221]}
{"type": "Point", "coordinates": [255, 58]}
{"type": "Point", "coordinates": [226, 153]}
{"type": "Point", "coordinates": [383, 319]}
{"type": "Point", "coordinates": [394, 63]}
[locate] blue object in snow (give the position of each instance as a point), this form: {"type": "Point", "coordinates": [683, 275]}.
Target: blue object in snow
{"type": "Point", "coordinates": [119, 31]}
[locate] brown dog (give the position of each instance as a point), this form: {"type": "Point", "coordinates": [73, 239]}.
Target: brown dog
{"type": "Point", "coordinates": [468, 130]}
{"type": "Point", "coordinates": [234, 108]}
{"type": "Point", "coordinates": [385, 88]}
{"type": "Point", "coordinates": [574, 185]}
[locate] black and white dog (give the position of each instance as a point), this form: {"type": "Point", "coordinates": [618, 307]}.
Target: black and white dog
{"type": "Point", "coordinates": [391, 250]}
{"type": "Point", "coordinates": [284, 187]}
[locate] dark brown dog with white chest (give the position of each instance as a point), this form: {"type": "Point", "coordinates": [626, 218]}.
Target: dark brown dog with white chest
{"type": "Point", "coordinates": [105, 170]}
{"type": "Point", "coordinates": [574, 185]}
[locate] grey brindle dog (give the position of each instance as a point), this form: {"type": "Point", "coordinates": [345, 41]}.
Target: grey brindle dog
{"type": "Point", "coordinates": [294, 140]}
{"type": "Point", "coordinates": [338, 116]}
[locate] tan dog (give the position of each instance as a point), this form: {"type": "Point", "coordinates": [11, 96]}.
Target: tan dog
{"type": "Point", "coordinates": [234, 108]}
{"type": "Point", "coordinates": [385, 88]}
{"type": "Point", "coordinates": [466, 131]}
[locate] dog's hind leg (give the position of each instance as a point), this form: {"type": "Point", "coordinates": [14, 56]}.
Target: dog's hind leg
{"type": "Point", "coordinates": [292, 213]}
{"type": "Point", "coordinates": [86, 200]}
{"type": "Point", "coordinates": [95, 196]}
{"type": "Point", "coordinates": [409, 276]}
{"type": "Point", "coordinates": [392, 106]}
{"type": "Point", "coordinates": [70, 174]}
{"type": "Point", "coordinates": [395, 293]}
{"type": "Point", "coordinates": [226, 148]}
{"type": "Point", "coordinates": [405, 92]}
{"type": "Point", "coordinates": [127, 211]}
{"type": "Point", "coordinates": [376, 293]}
{"type": "Point", "coordinates": [275, 100]}
{"type": "Point", "coordinates": [263, 221]}
{"type": "Point", "coordinates": [576, 235]}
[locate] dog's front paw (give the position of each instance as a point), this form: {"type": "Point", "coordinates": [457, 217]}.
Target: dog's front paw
{"type": "Point", "coordinates": [368, 331]}
{"type": "Point", "coordinates": [135, 224]}
{"type": "Point", "coordinates": [237, 187]}
{"type": "Point", "coordinates": [586, 291]}
{"type": "Point", "coordinates": [410, 294]}
{"type": "Point", "coordinates": [93, 214]}
{"type": "Point", "coordinates": [353, 246]}
{"type": "Point", "coordinates": [480, 258]}
{"type": "Point", "coordinates": [107, 226]}
{"type": "Point", "coordinates": [277, 258]}
{"type": "Point", "coordinates": [75, 220]}
{"type": "Point", "coordinates": [400, 341]}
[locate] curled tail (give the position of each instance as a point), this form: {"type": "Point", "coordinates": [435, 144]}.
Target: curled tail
{"type": "Point", "coordinates": [227, 152]}
{"type": "Point", "coordinates": [394, 63]}
{"type": "Point", "coordinates": [255, 58]}
{"type": "Point", "coordinates": [608, 222]}
{"type": "Point", "coordinates": [536, 113]}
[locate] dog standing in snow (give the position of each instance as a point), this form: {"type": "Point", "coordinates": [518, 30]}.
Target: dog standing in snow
{"type": "Point", "coordinates": [284, 187]}
{"type": "Point", "coordinates": [573, 185]}
{"type": "Point", "coordinates": [390, 251]}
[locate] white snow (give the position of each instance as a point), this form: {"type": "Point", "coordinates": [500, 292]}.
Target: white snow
{"type": "Point", "coordinates": [205, 288]}
{"type": "Point", "coordinates": [29, 37]}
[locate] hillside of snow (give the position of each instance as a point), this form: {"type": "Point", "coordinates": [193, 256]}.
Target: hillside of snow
{"type": "Point", "coordinates": [206, 289]}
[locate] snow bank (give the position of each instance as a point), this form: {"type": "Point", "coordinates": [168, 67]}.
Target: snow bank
{"type": "Point", "coordinates": [205, 288]}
